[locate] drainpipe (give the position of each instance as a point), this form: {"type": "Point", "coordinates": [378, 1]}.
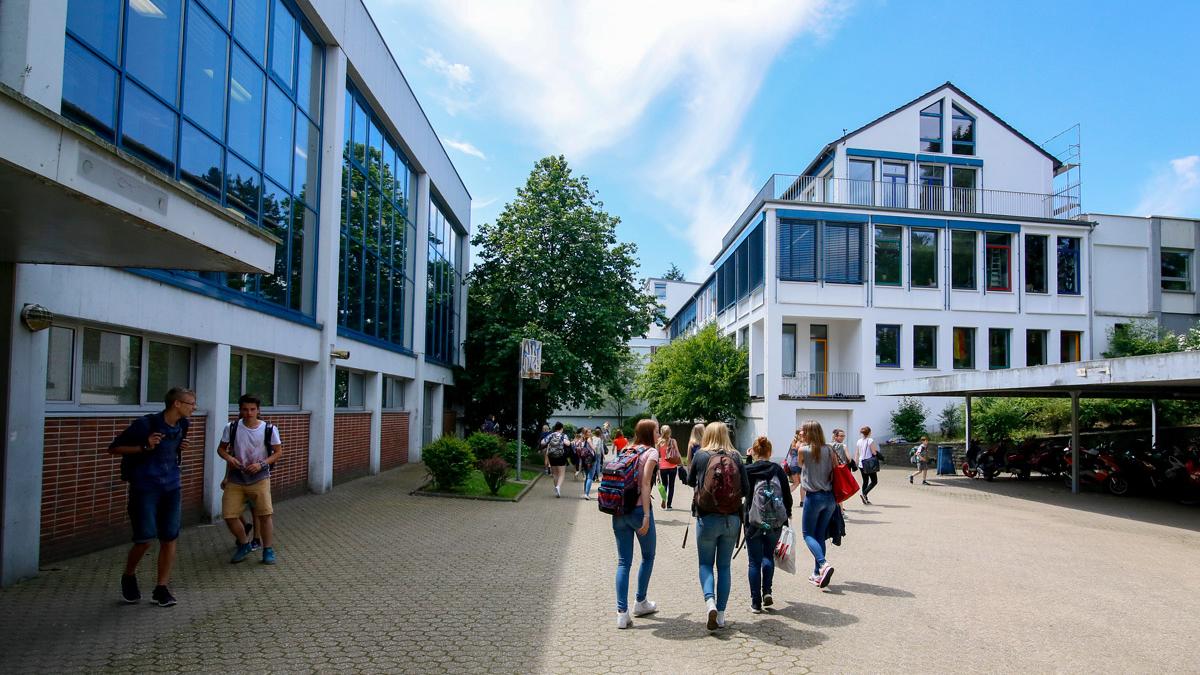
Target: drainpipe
{"type": "Point", "coordinates": [1075, 442]}
{"type": "Point", "coordinates": [1153, 423]}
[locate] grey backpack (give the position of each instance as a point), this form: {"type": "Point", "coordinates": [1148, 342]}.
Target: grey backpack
{"type": "Point", "coordinates": [767, 512]}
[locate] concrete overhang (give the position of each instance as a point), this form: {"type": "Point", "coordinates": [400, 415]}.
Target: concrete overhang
{"type": "Point", "coordinates": [1158, 376]}
{"type": "Point", "coordinates": [70, 198]}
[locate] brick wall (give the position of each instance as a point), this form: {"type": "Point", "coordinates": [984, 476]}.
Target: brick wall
{"type": "Point", "coordinates": [289, 478]}
{"type": "Point", "coordinates": [393, 446]}
{"type": "Point", "coordinates": [83, 497]}
{"type": "Point", "coordinates": [351, 445]}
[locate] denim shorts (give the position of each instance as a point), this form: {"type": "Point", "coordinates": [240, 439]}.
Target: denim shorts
{"type": "Point", "coordinates": [155, 514]}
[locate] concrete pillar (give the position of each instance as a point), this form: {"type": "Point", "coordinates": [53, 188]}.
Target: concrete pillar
{"type": "Point", "coordinates": [319, 377]}
{"type": "Point", "coordinates": [416, 389]}
{"type": "Point", "coordinates": [22, 427]}
{"type": "Point", "coordinates": [373, 383]}
{"type": "Point", "coordinates": [33, 36]}
{"type": "Point", "coordinates": [212, 392]}
{"type": "Point", "coordinates": [967, 425]}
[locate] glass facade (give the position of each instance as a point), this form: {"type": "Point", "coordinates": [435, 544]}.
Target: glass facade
{"type": "Point", "coordinates": [444, 281]}
{"type": "Point", "coordinates": [186, 86]}
{"type": "Point", "coordinates": [376, 269]}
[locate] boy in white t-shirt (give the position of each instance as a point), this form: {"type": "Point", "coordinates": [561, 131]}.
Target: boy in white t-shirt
{"type": "Point", "coordinates": [249, 454]}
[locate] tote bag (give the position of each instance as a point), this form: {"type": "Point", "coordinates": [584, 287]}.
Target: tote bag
{"type": "Point", "coordinates": [845, 485]}
{"type": "Point", "coordinates": [785, 551]}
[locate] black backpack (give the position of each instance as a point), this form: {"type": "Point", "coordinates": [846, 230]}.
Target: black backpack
{"type": "Point", "coordinates": [233, 440]}
{"type": "Point", "coordinates": [129, 461]}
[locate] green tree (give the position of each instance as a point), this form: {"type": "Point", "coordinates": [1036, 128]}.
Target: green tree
{"type": "Point", "coordinates": [908, 419]}
{"type": "Point", "coordinates": [702, 377]}
{"type": "Point", "coordinates": [621, 389]}
{"type": "Point", "coordinates": [1139, 339]}
{"type": "Point", "coordinates": [550, 268]}
{"type": "Point", "coordinates": [674, 274]}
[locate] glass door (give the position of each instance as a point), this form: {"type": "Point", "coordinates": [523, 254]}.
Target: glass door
{"type": "Point", "coordinates": [818, 339]}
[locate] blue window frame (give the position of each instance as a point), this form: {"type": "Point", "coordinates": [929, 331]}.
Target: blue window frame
{"type": "Point", "coordinates": [444, 277]}
{"type": "Point", "coordinates": [895, 185]}
{"type": "Point", "coordinates": [376, 269]}
{"type": "Point", "coordinates": [931, 127]}
{"type": "Point", "coordinates": [840, 245]}
{"type": "Point", "coordinates": [962, 138]}
{"type": "Point", "coordinates": [169, 82]}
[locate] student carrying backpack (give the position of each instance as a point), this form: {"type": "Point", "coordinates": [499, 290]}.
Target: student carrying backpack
{"type": "Point", "coordinates": [625, 494]}
{"type": "Point", "coordinates": [555, 446]}
{"type": "Point", "coordinates": [768, 509]}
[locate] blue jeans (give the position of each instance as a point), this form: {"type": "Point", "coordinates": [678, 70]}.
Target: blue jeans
{"type": "Point", "coordinates": [624, 529]}
{"type": "Point", "coordinates": [716, 535]}
{"type": "Point", "coordinates": [760, 549]}
{"type": "Point", "coordinates": [154, 513]}
{"type": "Point", "coordinates": [818, 511]}
{"type": "Point", "coordinates": [593, 475]}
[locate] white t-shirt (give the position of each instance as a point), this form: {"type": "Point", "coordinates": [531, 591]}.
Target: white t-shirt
{"type": "Point", "coordinates": [249, 448]}
{"type": "Point", "coordinates": [866, 448]}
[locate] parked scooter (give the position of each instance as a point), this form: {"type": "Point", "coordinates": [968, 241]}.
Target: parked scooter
{"type": "Point", "coordinates": [1097, 468]}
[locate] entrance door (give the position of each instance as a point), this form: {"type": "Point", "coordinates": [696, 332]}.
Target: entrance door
{"type": "Point", "coordinates": [427, 416]}
{"type": "Point", "coordinates": [818, 340]}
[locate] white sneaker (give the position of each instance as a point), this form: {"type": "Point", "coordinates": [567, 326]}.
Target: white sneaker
{"type": "Point", "coordinates": [711, 607]}
{"type": "Point", "coordinates": [556, 492]}
{"type": "Point", "coordinates": [720, 619]}
{"type": "Point", "coordinates": [825, 575]}
{"type": "Point", "coordinates": [644, 607]}
{"type": "Point", "coordinates": [585, 496]}
{"type": "Point", "coordinates": [623, 620]}
{"type": "Point", "coordinates": [768, 600]}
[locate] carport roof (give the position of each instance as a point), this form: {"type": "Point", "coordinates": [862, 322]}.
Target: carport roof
{"type": "Point", "coordinates": [1158, 376]}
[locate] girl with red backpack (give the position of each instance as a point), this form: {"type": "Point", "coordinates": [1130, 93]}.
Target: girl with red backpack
{"type": "Point", "coordinates": [668, 464]}
{"type": "Point", "coordinates": [638, 521]}
{"type": "Point", "coordinates": [717, 473]}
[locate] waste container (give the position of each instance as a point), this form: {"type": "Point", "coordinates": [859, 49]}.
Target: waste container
{"type": "Point", "coordinates": [945, 460]}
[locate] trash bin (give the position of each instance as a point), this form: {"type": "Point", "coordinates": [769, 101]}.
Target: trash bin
{"type": "Point", "coordinates": [945, 460]}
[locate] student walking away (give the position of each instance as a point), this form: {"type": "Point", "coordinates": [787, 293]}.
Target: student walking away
{"type": "Point", "coordinates": [694, 443]}
{"type": "Point", "coordinates": [589, 458]}
{"type": "Point", "coordinates": [866, 451]}
{"type": "Point", "coordinates": [791, 460]}
{"type": "Point", "coordinates": [249, 447]}
{"type": "Point", "coordinates": [816, 479]}
{"type": "Point", "coordinates": [151, 450]}
{"type": "Point", "coordinates": [768, 508]}
{"type": "Point", "coordinates": [573, 451]}
{"type": "Point", "coordinates": [920, 457]}
{"type": "Point", "coordinates": [669, 460]}
{"type": "Point", "coordinates": [555, 447]}
{"type": "Point", "coordinates": [619, 441]}
{"type": "Point", "coordinates": [719, 477]}
{"type": "Point", "coordinates": [542, 446]}
{"type": "Point", "coordinates": [600, 446]}
{"type": "Point", "coordinates": [490, 426]}
{"type": "Point", "coordinates": [625, 494]}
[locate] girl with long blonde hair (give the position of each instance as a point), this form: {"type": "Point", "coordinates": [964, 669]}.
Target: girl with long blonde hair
{"type": "Point", "coordinates": [816, 479]}
{"type": "Point", "coordinates": [668, 465]}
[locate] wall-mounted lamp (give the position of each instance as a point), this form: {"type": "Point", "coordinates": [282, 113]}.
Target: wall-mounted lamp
{"type": "Point", "coordinates": [339, 354]}
{"type": "Point", "coordinates": [36, 317]}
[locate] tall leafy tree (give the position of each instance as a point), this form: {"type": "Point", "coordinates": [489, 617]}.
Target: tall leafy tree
{"type": "Point", "coordinates": [620, 389]}
{"type": "Point", "coordinates": [700, 378]}
{"type": "Point", "coordinates": [674, 274]}
{"type": "Point", "coordinates": [551, 268]}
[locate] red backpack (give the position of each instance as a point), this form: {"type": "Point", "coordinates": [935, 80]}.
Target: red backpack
{"type": "Point", "coordinates": [721, 489]}
{"type": "Point", "coordinates": [620, 483]}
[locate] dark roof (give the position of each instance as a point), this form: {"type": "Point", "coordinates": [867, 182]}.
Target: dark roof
{"type": "Point", "coordinates": [960, 92]}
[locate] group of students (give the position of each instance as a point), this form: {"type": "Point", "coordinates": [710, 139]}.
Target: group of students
{"type": "Point", "coordinates": [733, 499]}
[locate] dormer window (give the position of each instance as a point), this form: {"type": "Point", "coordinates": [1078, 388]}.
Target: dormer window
{"type": "Point", "coordinates": [963, 136]}
{"type": "Point", "coordinates": [931, 127]}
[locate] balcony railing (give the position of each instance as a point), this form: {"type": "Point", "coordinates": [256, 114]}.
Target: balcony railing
{"type": "Point", "coordinates": [822, 385]}
{"type": "Point", "coordinates": [918, 197]}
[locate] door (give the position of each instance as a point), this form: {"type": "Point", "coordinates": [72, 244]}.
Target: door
{"type": "Point", "coordinates": [427, 416]}
{"type": "Point", "coordinates": [818, 340]}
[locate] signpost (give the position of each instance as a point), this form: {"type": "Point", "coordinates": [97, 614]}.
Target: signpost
{"type": "Point", "coordinates": [530, 368]}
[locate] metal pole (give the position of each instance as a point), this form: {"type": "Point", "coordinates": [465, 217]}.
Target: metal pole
{"type": "Point", "coordinates": [1074, 442]}
{"type": "Point", "coordinates": [520, 414]}
{"type": "Point", "coordinates": [967, 426]}
{"type": "Point", "coordinates": [1153, 423]}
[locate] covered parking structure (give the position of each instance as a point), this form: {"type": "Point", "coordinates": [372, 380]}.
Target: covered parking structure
{"type": "Point", "coordinates": [1156, 377]}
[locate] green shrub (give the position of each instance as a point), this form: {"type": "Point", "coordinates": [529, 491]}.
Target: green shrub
{"type": "Point", "coordinates": [569, 430]}
{"type": "Point", "coordinates": [950, 422]}
{"type": "Point", "coordinates": [495, 473]}
{"type": "Point", "coordinates": [999, 419]}
{"type": "Point", "coordinates": [908, 419]}
{"type": "Point", "coordinates": [532, 457]}
{"type": "Point", "coordinates": [484, 446]}
{"type": "Point", "coordinates": [449, 461]}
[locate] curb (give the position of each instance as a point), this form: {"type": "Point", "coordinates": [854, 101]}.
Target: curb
{"type": "Point", "coordinates": [422, 492]}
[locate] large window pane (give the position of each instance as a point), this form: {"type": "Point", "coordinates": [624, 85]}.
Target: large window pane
{"type": "Point", "coordinates": [887, 346]}
{"type": "Point", "coordinates": [1068, 265]}
{"type": "Point", "coordinates": [862, 185]}
{"type": "Point", "coordinates": [200, 161]}
{"type": "Point", "coordinates": [242, 185]}
{"type": "Point", "coordinates": [89, 91]}
{"type": "Point", "coordinates": [96, 22]}
{"type": "Point", "coordinates": [279, 148]}
{"type": "Point", "coordinates": [998, 340]}
{"type": "Point", "coordinates": [204, 80]}
{"type": "Point", "coordinates": [932, 182]}
{"type": "Point", "coordinates": [887, 255]}
{"type": "Point", "coordinates": [931, 127]}
{"type": "Point", "coordinates": [245, 108]}
{"type": "Point", "coordinates": [962, 259]}
{"type": "Point", "coordinates": [842, 253]}
{"type": "Point", "coordinates": [59, 364]}
{"type": "Point", "coordinates": [250, 26]}
{"type": "Point", "coordinates": [112, 368]}
{"type": "Point", "coordinates": [308, 80]}
{"type": "Point", "coordinates": [1176, 270]}
{"type": "Point", "coordinates": [304, 236]}
{"type": "Point", "coordinates": [152, 33]}
{"type": "Point", "coordinates": [999, 261]}
{"type": "Point", "coordinates": [789, 350]}
{"type": "Point", "coordinates": [148, 128]}
{"type": "Point", "coordinates": [235, 378]}
{"type": "Point", "coordinates": [287, 386]}
{"type": "Point", "coordinates": [1069, 342]}
{"type": "Point", "coordinates": [356, 398]}
{"type": "Point", "coordinates": [169, 366]}
{"type": "Point", "coordinates": [962, 132]}
{"type": "Point", "coordinates": [923, 258]}
{"type": "Point", "coordinates": [283, 43]}
{"type": "Point", "coordinates": [307, 151]}
{"type": "Point", "coordinates": [219, 9]}
{"type": "Point", "coordinates": [925, 346]}
{"type": "Point", "coordinates": [895, 185]}
{"type": "Point", "coordinates": [276, 209]}
{"type": "Point", "coordinates": [1035, 263]}
{"type": "Point", "coordinates": [260, 378]}
{"type": "Point", "coordinates": [964, 348]}
{"type": "Point", "coordinates": [341, 388]}
{"type": "Point", "coordinates": [1035, 347]}
{"type": "Point", "coordinates": [797, 253]}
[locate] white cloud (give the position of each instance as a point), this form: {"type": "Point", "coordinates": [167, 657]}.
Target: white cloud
{"type": "Point", "coordinates": [1173, 191]}
{"type": "Point", "coordinates": [465, 148]}
{"type": "Point", "coordinates": [456, 95]}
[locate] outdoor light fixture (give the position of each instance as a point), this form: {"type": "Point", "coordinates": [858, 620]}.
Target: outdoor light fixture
{"type": "Point", "coordinates": [36, 317]}
{"type": "Point", "coordinates": [339, 354]}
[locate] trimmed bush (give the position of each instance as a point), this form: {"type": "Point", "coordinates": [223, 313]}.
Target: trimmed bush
{"type": "Point", "coordinates": [950, 422]}
{"type": "Point", "coordinates": [495, 473]}
{"type": "Point", "coordinates": [908, 419]}
{"type": "Point", "coordinates": [998, 419]}
{"type": "Point", "coordinates": [449, 461]}
{"type": "Point", "coordinates": [485, 446]}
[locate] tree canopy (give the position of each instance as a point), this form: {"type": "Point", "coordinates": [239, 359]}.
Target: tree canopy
{"type": "Point", "coordinates": [674, 274]}
{"type": "Point", "coordinates": [551, 268]}
{"type": "Point", "coordinates": [702, 377]}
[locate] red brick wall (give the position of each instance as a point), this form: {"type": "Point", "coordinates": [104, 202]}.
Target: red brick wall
{"type": "Point", "coordinates": [351, 445]}
{"type": "Point", "coordinates": [289, 478]}
{"type": "Point", "coordinates": [393, 446]}
{"type": "Point", "coordinates": [83, 497]}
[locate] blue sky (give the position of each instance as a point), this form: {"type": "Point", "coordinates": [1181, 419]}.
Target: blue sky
{"type": "Point", "coordinates": [678, 111]}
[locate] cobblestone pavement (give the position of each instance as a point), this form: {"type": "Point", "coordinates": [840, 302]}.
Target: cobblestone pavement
{"type": "Point", "coordinates": [959, 576]}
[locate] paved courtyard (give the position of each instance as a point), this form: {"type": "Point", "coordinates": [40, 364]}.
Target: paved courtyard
{"type": "Point", "coordinates": [961, 576]}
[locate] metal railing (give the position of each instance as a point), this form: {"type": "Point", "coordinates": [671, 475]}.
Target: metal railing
{"type": "Point", "coordinates": [918, 197]}
{"type": "Point", "coordinates": [825, 384]}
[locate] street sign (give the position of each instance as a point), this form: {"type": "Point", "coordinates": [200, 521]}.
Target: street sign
{"type": "Point", "coordinates": [531, 359]}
